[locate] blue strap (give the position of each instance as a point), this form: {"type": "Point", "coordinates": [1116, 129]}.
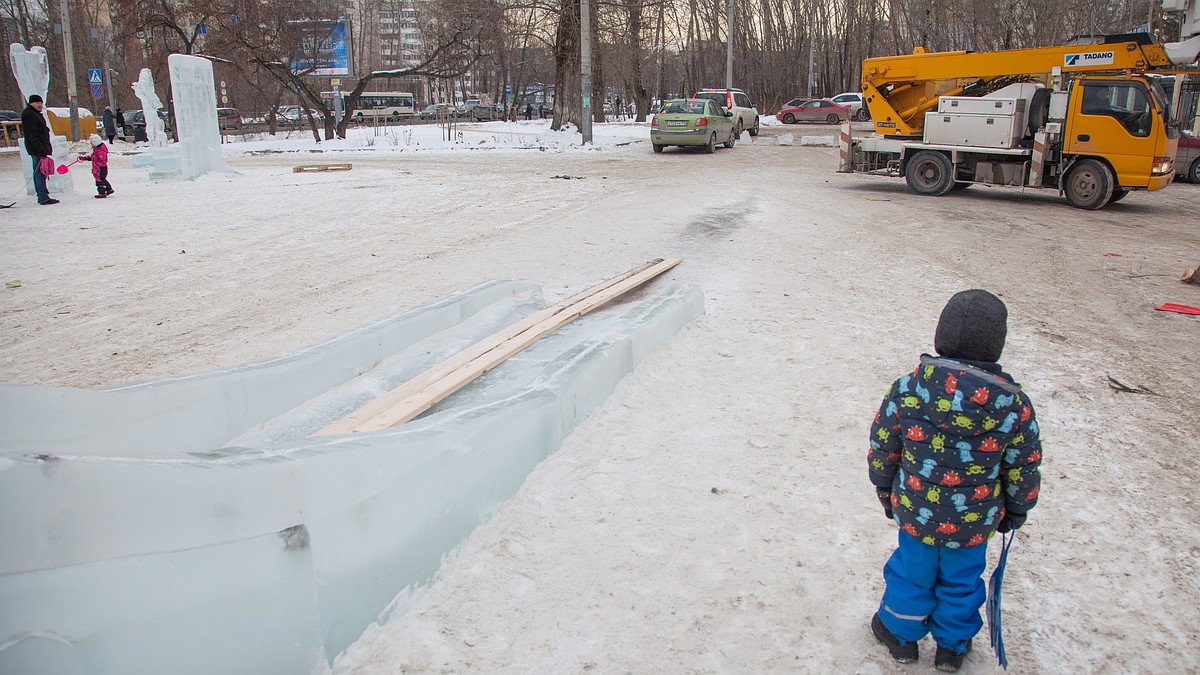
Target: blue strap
{"type": "Point", "coordinates": [993, 600]}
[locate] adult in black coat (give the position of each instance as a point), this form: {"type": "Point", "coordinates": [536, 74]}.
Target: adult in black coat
{"type": "Point", "coordinates": [110, 124]}
{"type": "Point", "coordinates": [37, 144]}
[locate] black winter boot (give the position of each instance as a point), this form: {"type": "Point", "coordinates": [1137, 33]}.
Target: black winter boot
{"type": "Point", "coordinates": [903, 654]}
{"type": "Point", "coordinates": [948, 661]}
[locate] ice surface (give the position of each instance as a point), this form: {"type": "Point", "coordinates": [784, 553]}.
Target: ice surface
{"type": "Point", "coordinates": [135, 543]}
{"type": "Point", "coordinates": [195, 118]}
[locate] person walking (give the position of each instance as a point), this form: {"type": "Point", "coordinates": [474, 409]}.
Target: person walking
{"type": "Point", "coordinates": [110, 124]}
{"type": "Point", "coordinates": [37, 144]}
{"type": "Point", "coordinates": [528, 111]}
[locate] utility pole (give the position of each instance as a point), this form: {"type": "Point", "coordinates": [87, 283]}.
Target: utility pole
{"type": "Point", "coordinates": [585, 58]}
{"type": "Point", "coordinates": [69, 53]}
{"type": "Point", "coordinates": [729, 47]}
{"type": "Point", "coordinates": [811, 61]}
{"type": "Point", "coordinates": [112, 102]}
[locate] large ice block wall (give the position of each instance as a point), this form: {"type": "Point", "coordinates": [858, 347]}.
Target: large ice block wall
{"type": "Point", "coordinates": [191, 525]}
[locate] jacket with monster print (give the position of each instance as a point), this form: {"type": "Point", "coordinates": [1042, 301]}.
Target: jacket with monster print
{"type": "Point", "coordinates": [957, 444]}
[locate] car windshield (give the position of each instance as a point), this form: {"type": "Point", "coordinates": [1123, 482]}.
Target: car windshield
{"type": "Point", "coordinates": [684, 107]}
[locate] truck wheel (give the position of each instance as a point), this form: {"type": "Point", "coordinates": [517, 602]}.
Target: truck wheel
{"type": "Point", "coordinates": [789, 119]}
{"type": "Point", "coordinates": [832, 118]}
{"type": "Point", "coordinates": [1194, 172]}
{"type": "Point", "coordinates": [711, 146]}
{"type": "Point", "coordinates": [930, 173]}
{"type": "Point", "coordinates": [1118, 195]}
{"type": "Point", "coordinates": [1088, 185]}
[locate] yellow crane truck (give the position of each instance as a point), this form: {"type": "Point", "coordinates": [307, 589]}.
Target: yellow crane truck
{"type": "Point", "coordinates": [1090, 120]}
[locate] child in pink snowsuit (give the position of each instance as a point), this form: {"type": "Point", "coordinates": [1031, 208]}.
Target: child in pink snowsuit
{"type": "Point", "coordinates": [99, 160]}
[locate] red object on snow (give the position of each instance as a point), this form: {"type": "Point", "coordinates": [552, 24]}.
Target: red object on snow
{"type": "Point", "coordinates": [47, 166]}
{"type": "Point", "coordinates": [1178, 309]}
{"type": "Point", "coordinates": [1112, 255]}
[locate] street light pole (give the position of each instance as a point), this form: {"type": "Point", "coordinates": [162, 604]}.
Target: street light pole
{"type": "Point", "coordinates": [69, 54]}
{"type": "Point", "coordinates": [729, 47]}
{"type": "Point", "coordinates": [585, 57]}
{"type": "Point", "coordinates": [112, 103]}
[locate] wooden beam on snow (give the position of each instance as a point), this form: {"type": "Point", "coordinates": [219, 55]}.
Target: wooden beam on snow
{"type": "Point", "coordinates": [423, 391]}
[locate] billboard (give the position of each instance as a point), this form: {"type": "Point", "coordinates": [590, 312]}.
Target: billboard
{"type": "Point", "coordinates": [323, 49]}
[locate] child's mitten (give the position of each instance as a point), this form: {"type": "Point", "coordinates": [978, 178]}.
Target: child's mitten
{"type": "Point", "coordinates": [1011, 521]}
{"type": "Point", "coordinates": [885, 498]}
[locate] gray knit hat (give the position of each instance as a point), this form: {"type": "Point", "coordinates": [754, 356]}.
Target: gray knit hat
{"type": "Point", "coordinates": [973, 326]}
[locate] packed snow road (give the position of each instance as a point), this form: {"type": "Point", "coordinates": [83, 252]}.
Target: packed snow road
{"type": "Point", "coordinates": [715, 514]}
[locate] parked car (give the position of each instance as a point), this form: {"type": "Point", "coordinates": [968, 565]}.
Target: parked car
{"type": "Point", "coordinates": [293, 115]}
{"type": "Point", "coordinates": [476, 110]}
{"type": "Point", "coordinates": [854, 101]}
{"type": "Point", "coordinates": [1187, 157]}
{"type": "Point", "coordinates": [435, 110]}
{"type": "Point", "coordinates": [10, 116]}
{"type": "Point", "coordinates": [133, 127]}
{"type": "Point", "coordinates": [693, 122]}
{"type": "Point", "coordinates": [745, 115]}
{"type": "Point", "coordinates": [795, 103]}
{"type": "Point", "coordinates": [816, 110]}
{"type": "Point", "coordinates": [229, 119]}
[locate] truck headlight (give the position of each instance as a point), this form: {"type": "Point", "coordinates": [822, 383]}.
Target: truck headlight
{"type": "Point", "coordinates": [1163, 166]}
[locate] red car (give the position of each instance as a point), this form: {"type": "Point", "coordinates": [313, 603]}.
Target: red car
{"type": "Point", "coordinates": [1187, 158]}
{"type": "Point", "coordinates": [815, 110]}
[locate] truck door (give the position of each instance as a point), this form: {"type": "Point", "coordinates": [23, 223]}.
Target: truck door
{"type": "Point", "coordinates": [1115, 119]}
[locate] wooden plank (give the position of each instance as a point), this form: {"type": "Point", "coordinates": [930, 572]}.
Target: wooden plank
{"type": "Point", "coordinates": [423, 391]}
{"type": "Point", "coordinates": [309, 168]}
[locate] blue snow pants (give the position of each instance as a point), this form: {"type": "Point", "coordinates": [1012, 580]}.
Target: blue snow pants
{"type": "Point", "coordinates": [934, 589]}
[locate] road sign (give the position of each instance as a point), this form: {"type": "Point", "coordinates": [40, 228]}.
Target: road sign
{"type": "Point", "coordinates": [94, 76]}
{"type": "Point", "coordinates": [97, 92]}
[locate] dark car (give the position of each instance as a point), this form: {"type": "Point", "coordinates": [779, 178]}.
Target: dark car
{"type": "Point", "coordinates": [10, 116]}
{"type": "Point", "coordinates": [133, 127]}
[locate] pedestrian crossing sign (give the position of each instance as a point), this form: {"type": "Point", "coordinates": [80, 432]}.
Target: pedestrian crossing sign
{"type": "Point", "coordinates": [94, 76]}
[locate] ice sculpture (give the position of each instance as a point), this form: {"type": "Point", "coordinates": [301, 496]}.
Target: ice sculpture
{"type": "Point", "coordinates": [162, 160]}
{"type": "Point", "coordinates": [32, 70]}
{"type": "Point", "coordinates": [156, 133]}
{"type": "Point", "coordinates": [196, 115]}
{"type": "Point", "coordinates": [190, 525]}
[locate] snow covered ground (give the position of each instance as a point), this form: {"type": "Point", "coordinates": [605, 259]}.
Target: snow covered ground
{"type": "Point", "coordinates": [714, 515]}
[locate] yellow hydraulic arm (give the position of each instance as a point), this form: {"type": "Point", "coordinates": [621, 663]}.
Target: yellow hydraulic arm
{"type": "Point", "coordinates": [899, 90]}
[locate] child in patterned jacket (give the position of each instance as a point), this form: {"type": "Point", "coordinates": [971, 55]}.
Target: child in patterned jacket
{"type": "Point", "coordinates": [954, 459]}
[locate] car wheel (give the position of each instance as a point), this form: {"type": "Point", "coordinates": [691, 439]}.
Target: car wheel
{"type": "Point", "coordinates": [929, 173]}
{"type": "Point", "coordinates": [1194, 172]}
{"type": "Point", "coordinates": [711, 146]}
{"type": "Point", "coordinates": [1088, 185]}
{"type": "Point", "coordinates": [658, 148]}
{"type": "Point", "coordinates": [733, 136]}
{"type": "Point", "coordinates": [832, 118]}
{"type": "Point", "coordinates": [861, 115]}
{"type": "Point", "coordinates": [754, 129]}
{"type": "Point", "coordinates": [789, 119]}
